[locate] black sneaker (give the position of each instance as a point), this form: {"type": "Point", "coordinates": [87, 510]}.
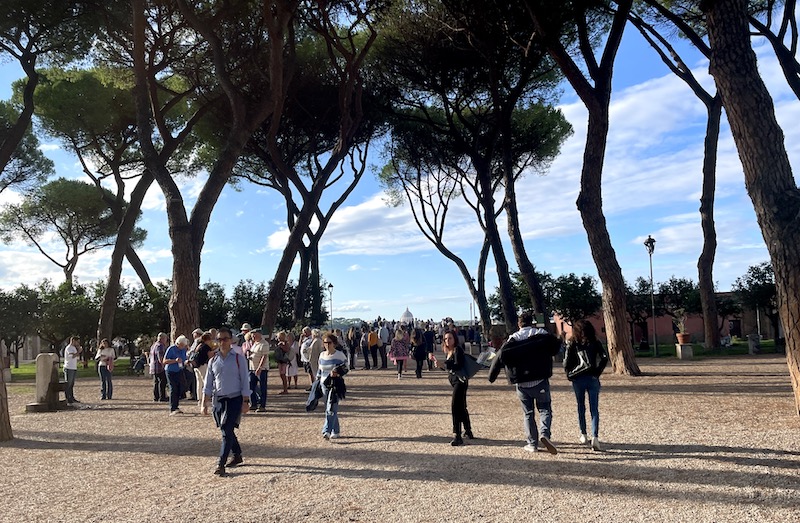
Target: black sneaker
{"type": "Point", "coordinates": [457, 441]}
{"type": "Point", "coordinates": [548, 445]}
{"type": "Point", "coordinates": [469, 434]}
{"type": "Point", "coordinates": [220, 472]}
{"type": "Point", "coordinates": [236, 460]}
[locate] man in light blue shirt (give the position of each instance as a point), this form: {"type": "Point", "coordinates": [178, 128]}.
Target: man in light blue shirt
{"type": "Point", "coordinates": [228, 382]}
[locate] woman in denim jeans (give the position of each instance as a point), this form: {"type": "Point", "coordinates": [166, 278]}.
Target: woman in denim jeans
{"type": "Point", "coordinates": [584, 362]}
{"type": "Point", "coordinates": [105, 366]}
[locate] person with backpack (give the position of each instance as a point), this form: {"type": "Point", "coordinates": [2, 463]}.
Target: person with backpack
{"type": "Point", "coordinates": [527, 356]}
{"type": "Point", "coordinates": [372, 341]}
{"type": "Point", "coordinates": [584, 362]}
{"type": "Point", "coordinates": [364, 344]}
{"type": "Point", "coordinates": [453, 363]}
{"type": "Point", "coordinates": [228, 383]}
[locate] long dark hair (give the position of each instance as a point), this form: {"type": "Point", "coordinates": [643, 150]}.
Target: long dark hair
{"type": "Point", "coordinates": [583, 332]}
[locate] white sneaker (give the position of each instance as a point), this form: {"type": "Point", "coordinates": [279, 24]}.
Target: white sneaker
{"type": "Point", "coordinates": [530, 447]}
{"type": "Point", "coordinates": [595, 443]}
{"type": "Point", "coordinates": [334, 435]}
{"type": "Point", "coordinates": [584, 439]}
{"type": "Point", "coordinates": [325, 435]}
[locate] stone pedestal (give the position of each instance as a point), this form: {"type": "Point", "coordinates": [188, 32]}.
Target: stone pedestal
{"type": "Point", "coordinates": [47, 385]}
{"type": "Point", "coordinates": [684, 351]}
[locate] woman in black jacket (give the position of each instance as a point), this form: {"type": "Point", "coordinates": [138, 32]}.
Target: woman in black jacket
{"type": "Point", "coordinates": [418, 350]}
{"type": "Point", "coordinates": [454, 362]}
{"type": "Point", "coordinates": [584, 362]}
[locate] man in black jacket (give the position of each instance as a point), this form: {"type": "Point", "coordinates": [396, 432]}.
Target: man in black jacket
{"type": "Point", "coordinates": [527, 357]}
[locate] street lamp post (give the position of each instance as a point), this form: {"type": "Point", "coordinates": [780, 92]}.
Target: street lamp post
{"type": "Point", "coordinates": [650, 244]}
{"type": "Point", "coordinates": [330, 296]}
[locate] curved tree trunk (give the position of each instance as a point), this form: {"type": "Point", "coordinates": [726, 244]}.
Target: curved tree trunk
{"type": "Point", "coordinates": [526, 268]}
{"type": "Point", "coordinates": [506, 288]}
{"type": "Point", "coordinates": [278, 284]}
{"type": "Point", "coordinates": [122, 247]}
{"type": "Point", "coordinates": [597, 98]}
{"type": "Point", "coordinates": [590, 205]}
{"type": "Point", "coordinates": [13, 136]}
{"type": "Point", "coordinates": [767, 170]}
{"type": "Point", "coordinates": [705, 264]}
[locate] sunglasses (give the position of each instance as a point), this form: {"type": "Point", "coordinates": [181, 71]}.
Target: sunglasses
{"type": "Point", "coordinates": [327, 343]}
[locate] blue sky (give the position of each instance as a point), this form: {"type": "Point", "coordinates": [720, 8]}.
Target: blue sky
{"type": "Point", "coordinates": [378, 261]}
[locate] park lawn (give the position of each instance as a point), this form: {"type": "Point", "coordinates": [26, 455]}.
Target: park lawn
{"type": "Point", "coordinates": [27, 370]}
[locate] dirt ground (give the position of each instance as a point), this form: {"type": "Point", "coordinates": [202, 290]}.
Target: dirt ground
{"type": "Point", "coordinates": [709, 440]}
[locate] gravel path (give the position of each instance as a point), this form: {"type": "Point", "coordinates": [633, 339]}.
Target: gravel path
{"type": "Point", "coordinates": [710, 440]}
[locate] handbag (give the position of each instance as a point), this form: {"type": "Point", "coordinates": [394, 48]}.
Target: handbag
{"type": "Point", "coordinates": [584, 365]}
{"type": "Point", "coordinates": [469, 368]}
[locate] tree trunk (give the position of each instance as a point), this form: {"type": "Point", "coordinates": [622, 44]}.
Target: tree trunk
{"type": "Point", "coordinates": [14, 135]}
{"type": "Point", "coordinates": [278, 284]}
{"type": "Point", "coordinates": [506, 288]}
{"type": "Point", "coordinates": [122, 247]}
{"type": "Point", "coordinates": [705, 264]}
{"type": "Point", "coordinates": [299, 307]}
{"type": "Point", "coordinates": [526, 268]}
{"type": "Point", "coordinates": [597, 98]}
{"type": "Point", "coordinates": [5, 417]}
{"type": "Point", "coordinates": [316, 285]}
{"type": "Point", "coordinates": [590, 205]}
{"type": "Point", "coordinates": [767, 171]}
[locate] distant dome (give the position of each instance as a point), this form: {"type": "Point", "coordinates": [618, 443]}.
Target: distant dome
{"type": "Point", "coordinates": [407, 318]}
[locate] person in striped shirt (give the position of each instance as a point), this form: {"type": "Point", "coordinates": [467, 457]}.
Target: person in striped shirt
{"type": "Point", "coordinates": [332, 366]}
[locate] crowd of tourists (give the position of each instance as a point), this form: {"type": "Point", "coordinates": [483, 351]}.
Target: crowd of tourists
{"type": "Point", "coordinates": [229, 372]}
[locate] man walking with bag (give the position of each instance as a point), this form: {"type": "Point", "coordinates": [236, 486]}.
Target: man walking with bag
{"type": "Point", "coordinates": [527, 357]}
{"type": "Point", "coordinates": [227, 381]}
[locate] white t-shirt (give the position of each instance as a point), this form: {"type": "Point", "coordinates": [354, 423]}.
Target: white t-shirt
{"type": "Point", "coordinates": [71, 357]}
{"type": "Point", "coordinates": [109, 353]}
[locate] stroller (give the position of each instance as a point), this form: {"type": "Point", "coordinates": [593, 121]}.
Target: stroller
{"type": "Point", "coordinates": [138, 364]}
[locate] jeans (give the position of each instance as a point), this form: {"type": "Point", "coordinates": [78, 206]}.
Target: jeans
{"type": "Point", "coordinates": [258, 389]}
{"type": "Point", "coordinates": [174, 389]}
{"type": "Point", "coordinates": [400, 366]}
{"type": "Point", "coordinates": [382, 350]}
{"type": "Point", "coordinates": [191, 384]}
{"type": "Point", "coordinates": [458, 407]}
{"type": "Point", "coordinates": [353, 352]}
{"type": "Point", "coordinates": [374, 351]}
{"type": "Point", "coordinates": [106, 387]}
{"type": "Point", "coordinates": [540, 395]}
{"type": "Point", "coordinates": [331, 425]}
{"type": "Point", "coordinates": [69, 377]}
{"type": "Point", "coordinates": [230, 411]}
{"type": "Point", "coordinates": [418, 372]}
{"type": "Point", "coordinates": [591, 385]}
{"type": "Point", "coordinates": [160, 386]}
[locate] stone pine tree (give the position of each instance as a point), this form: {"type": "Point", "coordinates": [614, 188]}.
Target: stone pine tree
{"type": "Point", "coordinates": [72, 211]}
{"type": "Point", "coordinates": [713, 105]}
{"type": "Point", "coordinates": [767, 170]}
{"type": "Point", "coordinates": [570, 30]}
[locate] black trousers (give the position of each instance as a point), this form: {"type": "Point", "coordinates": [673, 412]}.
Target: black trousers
{"type": "Point", "coordinates": [458, 407]}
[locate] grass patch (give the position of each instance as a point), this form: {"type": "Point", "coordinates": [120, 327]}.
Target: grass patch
{"type": "Point", "coordinates": [27, 370]}
{"type": "Point", "coordinates": [737, 348]}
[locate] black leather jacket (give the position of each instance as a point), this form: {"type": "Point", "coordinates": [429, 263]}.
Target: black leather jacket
{"type": "Point", "coordinates": [525, 360]}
